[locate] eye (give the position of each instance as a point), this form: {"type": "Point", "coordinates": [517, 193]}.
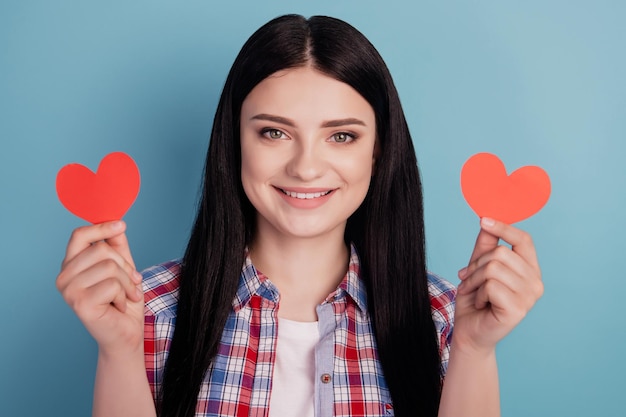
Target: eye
{"type": "Point", "coordinates": [273, 133]}
{"type": "Point", "coordinates": [343, 137]}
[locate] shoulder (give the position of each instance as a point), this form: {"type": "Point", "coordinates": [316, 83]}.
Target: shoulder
{"type": "Point", "coordinates": [160, 288]}
{"type": "Point", "coordinates": [442, 295]}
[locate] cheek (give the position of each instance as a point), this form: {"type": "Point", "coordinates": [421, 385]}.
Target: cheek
{"type": "Point", "coordinates": [358, 169]}
{"type": "Point", "coordinates": [249, 169]}
{"type": "Point", "coordinates": [257, 171]}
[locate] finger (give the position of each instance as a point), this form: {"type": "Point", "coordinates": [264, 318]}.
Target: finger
{"type": "Point", "coordinates": [83, 237]}
{"type": "Point", "coordinates": [120, 244]}
{"type": "Point", "coordinates": [104, 294]}
{"type": "Point", "coordinates": [101, 271]}
{"type": "Point", "coordinates": [485, 242]}
{"type": "Point", "coordinates": [96, 253]}
{"type": "Point", "coordinates": [500, 263]}
{"type": "Point", "coordinates": [520, 241]}
{"type": "Point", "coordinates": [506, 306]}
{"type": "Point", "coordinates": [493, 270]}
{"type": "Point", "coordinates": [124, 274]}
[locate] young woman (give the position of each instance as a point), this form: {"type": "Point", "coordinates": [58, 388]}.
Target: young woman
{"type": "Point", "coordinates": [311, 183]}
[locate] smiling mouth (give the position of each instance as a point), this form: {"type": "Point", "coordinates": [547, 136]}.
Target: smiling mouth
{"type": "Point", "coordinates": [305, 196]}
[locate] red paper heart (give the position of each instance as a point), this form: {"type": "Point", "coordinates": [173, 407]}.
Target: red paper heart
{"type": "Point", "coordinates": [490, 192]}
{"type": "Point", "coordinates": [103, 196]}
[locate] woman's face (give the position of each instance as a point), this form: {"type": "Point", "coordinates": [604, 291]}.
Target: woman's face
{"type": "Point", "coordinates": [307, 150]}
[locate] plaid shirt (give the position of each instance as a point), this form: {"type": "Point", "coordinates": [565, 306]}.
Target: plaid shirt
{"type": "Point", "coordinates": [349, 380]}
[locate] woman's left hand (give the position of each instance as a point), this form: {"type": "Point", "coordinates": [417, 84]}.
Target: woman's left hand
{"type": "Point", "coordinates": [499, 286]}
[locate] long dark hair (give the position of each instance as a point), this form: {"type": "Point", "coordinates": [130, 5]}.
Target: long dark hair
{"type": "Point", "coordinates": [387, 229]}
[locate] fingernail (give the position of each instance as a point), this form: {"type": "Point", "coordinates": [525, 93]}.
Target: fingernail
{"type": "Point", "coordinates": [486, 221]}
{"type": "Point", "coordinates": [116, 225]}
{"type": "Point", "coordinates": [139, 293]}
{"type": "Point", "coordinates": [137, 277]}
{"type": "Point", "coordinates": [462, 272]}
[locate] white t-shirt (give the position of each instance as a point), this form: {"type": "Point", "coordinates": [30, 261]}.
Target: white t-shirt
{"type": "Point", "coordinates": [293, 388]}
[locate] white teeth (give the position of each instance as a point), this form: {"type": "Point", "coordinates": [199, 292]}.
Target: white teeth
{"type": "Point", "coordinates": [304, 196]}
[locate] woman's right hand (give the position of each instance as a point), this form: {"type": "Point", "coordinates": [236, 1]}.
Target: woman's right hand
{"type": "Point", "coordinates": [99, 281]}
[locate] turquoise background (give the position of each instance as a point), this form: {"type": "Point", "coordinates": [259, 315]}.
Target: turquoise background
{"type": "Point", "coordinates": [536, 82]}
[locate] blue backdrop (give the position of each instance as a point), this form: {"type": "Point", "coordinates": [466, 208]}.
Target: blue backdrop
{"type": "Point", "coordinates": [536, 82]}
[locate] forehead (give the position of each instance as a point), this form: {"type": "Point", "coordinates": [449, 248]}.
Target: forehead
{"type": "Point", "coordinates": [306, 94]}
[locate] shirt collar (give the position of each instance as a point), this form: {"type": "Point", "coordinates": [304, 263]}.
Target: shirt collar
{"type": "Point", "coordinates": [253, 282]}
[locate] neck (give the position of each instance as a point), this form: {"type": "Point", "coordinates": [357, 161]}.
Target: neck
{"type": "Point", "coordinates": [305, 270]}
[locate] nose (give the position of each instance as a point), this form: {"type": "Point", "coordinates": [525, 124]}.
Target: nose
{"type": "Point", "coordinates": [307, 161]}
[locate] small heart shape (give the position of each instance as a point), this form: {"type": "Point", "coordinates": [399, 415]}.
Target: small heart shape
{"type": "Point", "coordinates": [103, 196]}
{"type": "Point", "coordinates": [490, 192]}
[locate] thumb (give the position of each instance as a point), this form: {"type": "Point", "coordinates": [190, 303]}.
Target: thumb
{"type": "Point", "coordinates": [485, 241]}
{"type": "Point", "coordinates": [120, 244]}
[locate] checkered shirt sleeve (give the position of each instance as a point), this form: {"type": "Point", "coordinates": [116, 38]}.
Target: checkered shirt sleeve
{"type": "Point", "coordinates": [160, 287]}
{"type": "Point", "coordinates": [442, 298]}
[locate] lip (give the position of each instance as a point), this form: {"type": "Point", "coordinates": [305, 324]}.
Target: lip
{"type": "Point", "coordinates": [304, 189]}
{"type": "Point", "coordinates": [305, 203]}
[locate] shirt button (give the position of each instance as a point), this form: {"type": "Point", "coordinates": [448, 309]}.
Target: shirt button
{"type": "Point", "coordinates": [326, 378]}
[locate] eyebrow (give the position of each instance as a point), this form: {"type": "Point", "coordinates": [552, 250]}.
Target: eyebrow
{"type": "Point", "coordinates": [328, 123]}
